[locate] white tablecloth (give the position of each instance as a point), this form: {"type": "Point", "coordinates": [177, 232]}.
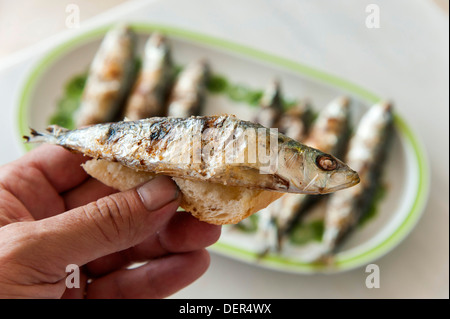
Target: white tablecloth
{"type": "Point", "coordinates": [405, 60]}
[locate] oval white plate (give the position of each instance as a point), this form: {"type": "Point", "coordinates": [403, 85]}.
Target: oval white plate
{"type": "Point", "coordinates": [406, 172]}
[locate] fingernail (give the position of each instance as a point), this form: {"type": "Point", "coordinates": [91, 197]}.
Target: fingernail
{"type": "Point", "coordinates": [158, 192]}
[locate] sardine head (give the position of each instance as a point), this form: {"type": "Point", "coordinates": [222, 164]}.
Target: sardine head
{"type": "Point", "coordinates": [311, 171]}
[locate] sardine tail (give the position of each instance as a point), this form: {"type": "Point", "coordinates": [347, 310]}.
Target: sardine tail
{"type": "Point", "coordinates": [51, 136]}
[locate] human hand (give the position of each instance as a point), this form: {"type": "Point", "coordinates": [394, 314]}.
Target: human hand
{"type": "Point", "coordinates": [52, 215]}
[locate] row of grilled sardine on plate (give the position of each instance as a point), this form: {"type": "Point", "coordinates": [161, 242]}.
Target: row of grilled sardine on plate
{"type": "Point", "coordinates": [114, 89]}
{"type": "Point", "coordinates": [364, 150]}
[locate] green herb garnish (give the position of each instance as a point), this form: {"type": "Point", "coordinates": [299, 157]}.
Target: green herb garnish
{"type": "Point", "coordinates": [69, 103]}
{"type": "Point", "coordinates": [303, 233]}
{"type": "Point", "coordinates": [380, 192]}
{"type": "Point", "coordinates": [217, 84]}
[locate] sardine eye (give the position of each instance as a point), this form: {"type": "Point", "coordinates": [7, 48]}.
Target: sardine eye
{"type": "Point", "coordinates": [326, 162]}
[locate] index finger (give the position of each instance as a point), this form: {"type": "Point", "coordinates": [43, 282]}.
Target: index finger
{"type": "Point", "coordinates": [61, 167]}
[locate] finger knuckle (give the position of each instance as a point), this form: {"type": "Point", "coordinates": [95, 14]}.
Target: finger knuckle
{"type": "Point", "coordinates": [113, 217]}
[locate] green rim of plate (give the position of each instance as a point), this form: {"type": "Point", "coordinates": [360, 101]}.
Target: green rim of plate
{"type": "Point", "coordinates": [271, 261]}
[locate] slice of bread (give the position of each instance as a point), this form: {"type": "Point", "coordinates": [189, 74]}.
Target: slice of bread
{"type": "Point", "coordinates": [210, 202]}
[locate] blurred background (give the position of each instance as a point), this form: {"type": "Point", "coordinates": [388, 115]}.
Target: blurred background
{"type": "Point", "coordinates": [405, 60]}
{"type": "Point", "coordinates": [23, 23]}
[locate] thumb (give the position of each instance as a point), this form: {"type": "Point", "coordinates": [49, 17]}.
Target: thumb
{"type": "Point", "coordinates": [110, 224]}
